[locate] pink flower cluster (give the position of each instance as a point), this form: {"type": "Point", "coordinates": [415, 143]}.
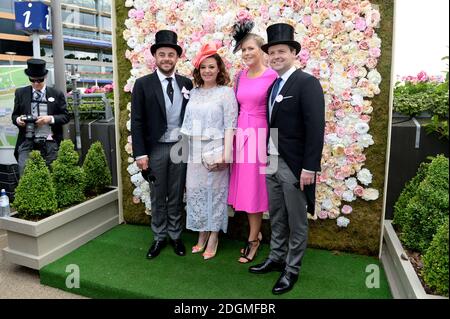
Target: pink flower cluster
{"type": "Point", "coordinates": [421, 77]}
{"type": "Point", "coordinates": [99, 89]}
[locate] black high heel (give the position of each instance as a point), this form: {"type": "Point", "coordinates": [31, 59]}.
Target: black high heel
{"type": "Point", "coordinates": [245, 254]}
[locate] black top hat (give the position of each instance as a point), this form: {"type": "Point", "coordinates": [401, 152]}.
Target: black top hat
{"type": "Point", "coordinates": [281, 33]}
{"type": "Point", "coordinates": [166, 38]}
{"type": "Point", "coordinates": [36, 68]}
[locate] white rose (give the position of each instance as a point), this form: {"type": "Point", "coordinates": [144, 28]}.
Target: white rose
{"type": "Point", "coordinates": [137, 192]}
{"type": "Point", "coordinates": [349, 26]}
{"type": "Point", "coordinates": [365, 140]}
{"type": "Point", "coordinates": [129, 125]}
{"type": "Point", "coordinates": [332, 139]}
{"type": "Point", "coordinates": [370, 194]}
{"type": "Point", "coordinates": [327, 204]}
{"type": "Point", "coordinates": [335, 15]}
{"type": "Point", "coordinates": [364, 176]}
{"type": "Point", "coordinates": [130, 160]}
{"type": "Point", "coordinates": [141, 4]}
{"type": "Point", "coordinates": [307, 10]}
{"type": "Point", "coordinates": [288, 12]}
{"type": "Point", "coordinates": [348, 196]}
{"type": "Point", "coordinates": [351, 183]}
{"type": "Point", "coordinates": [133, 169]}
{"type": "Point", "coordinates": [342, 221]}
{"type": "Point", "coordinates": [218, 36]}
{"type": "Point", "coordinates": [129, 3]}
{"type": "Point", "coordinates": [357, 99]}
{"type": "Point", "coordinates": [374, 77]}
{"type": "Point", "coordinates": [362, 128]}
{"type": "Point", "coordinates": [131, 42]}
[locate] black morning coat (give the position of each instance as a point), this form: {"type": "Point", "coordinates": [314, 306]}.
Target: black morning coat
{"type": "Point", "coordinates": [300, 120]}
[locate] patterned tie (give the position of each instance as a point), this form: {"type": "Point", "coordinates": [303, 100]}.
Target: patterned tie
{"type": "Point", "coordinates": [275, 89]}
{"type": "Point", "coordinates": [169, 89]}
{"type": "Point", "coordinates": [37, 97]}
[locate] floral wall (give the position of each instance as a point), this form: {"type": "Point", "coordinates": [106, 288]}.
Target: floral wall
{"type": "Point", "coordinates": [346, 44]}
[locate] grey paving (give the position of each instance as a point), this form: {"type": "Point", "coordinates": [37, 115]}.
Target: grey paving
{"type": "Point", "coordinates": [18, 282]}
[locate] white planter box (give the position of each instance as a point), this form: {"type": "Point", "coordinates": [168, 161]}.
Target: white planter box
{"type": "Point", "coordinates": [403, 280]}
{"type": "Point", "coordinates": [36, 244]}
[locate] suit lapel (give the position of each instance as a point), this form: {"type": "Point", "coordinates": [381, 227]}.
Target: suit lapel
{"type": "Point", "coordinates": [157, 87]}
{"type": "Point", "coordinates": [27, 100]}
{"type": "Point", "coordinates": [48, 94]}
{"type": "Point", "coordinates": [283, 91]}
{"type": "Point", "coordinates": [268, 101]}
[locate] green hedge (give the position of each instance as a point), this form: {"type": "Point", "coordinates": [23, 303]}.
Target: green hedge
{"type": "Point", "coordinates": [427, 206]}
{"type": "Point", "coordinates": [95, 166]}
{"type": "Point", "coordinates": [35, 195]}
{"type": "Point", "coordinates": [435, 261]}
{"type": "Point", "coordinates": [68, 178]}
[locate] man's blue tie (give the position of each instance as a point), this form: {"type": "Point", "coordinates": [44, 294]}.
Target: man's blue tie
{"type": "Point", "coordinates": [275, 89]}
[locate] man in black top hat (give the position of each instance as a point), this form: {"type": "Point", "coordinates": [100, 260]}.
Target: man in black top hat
{"type": "Point", "coordinates": [296, 116]}
{"type": "Point", "coordinates": [157, 111]}
{"type": "Point", "coordinates": [40, 113]}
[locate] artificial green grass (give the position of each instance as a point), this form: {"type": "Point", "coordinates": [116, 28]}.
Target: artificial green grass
{"type": "Point", "coordinates": [114, 266]}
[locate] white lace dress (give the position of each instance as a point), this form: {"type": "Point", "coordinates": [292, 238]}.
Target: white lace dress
{"type": "Point", "coordinates": [209, 113]}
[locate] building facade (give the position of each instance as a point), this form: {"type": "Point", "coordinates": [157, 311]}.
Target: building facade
{"type": "Point", "coordinates": [87, 39]}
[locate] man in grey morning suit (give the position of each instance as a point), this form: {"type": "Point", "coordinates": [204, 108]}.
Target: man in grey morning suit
{"type": "Point", "coordinates": [157, 111]}
{"type": "Point", "coordinates": [296, 109]}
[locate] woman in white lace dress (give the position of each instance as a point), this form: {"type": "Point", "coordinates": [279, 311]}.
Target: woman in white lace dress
{"type": "Point", "coordinates": [209, 121]}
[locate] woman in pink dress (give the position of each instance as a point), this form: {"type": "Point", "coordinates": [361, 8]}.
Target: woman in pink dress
{"type": "Point", "coordinates": [247, 191]}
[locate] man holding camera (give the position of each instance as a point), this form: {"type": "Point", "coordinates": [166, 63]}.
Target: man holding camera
{"type": "Point", "coordinates": [40, 113]}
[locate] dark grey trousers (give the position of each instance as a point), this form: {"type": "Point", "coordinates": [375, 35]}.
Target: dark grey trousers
{"type": "Point", "coordinates": [166, 193]}
{"type": "Point", "coordinates": [48, 149]}
{"type": "Point", "coordinates": [288, 217]}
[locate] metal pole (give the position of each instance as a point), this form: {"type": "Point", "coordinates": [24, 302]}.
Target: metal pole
{"type": "Point", "coordinates": [58, 46]}
{"type": "Point", "coordinates": [36, 45]}
{"type": "Point", "coordinates": [59, 69]}
{"type": "Point", "coordinates": [76, 115]}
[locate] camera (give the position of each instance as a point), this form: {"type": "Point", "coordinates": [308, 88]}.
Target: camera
{"type": "Point", "coordinates": [30, 121]}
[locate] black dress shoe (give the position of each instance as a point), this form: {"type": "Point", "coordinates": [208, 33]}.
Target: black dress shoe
{"type": "Point", "coordinates": [284, 283]}
{"type": "Point", "coordinates": [155, 249]}
{"type": "Point", "coordinates": [178, 247]}
{"type": "Point", "coordinates": [267, 266]}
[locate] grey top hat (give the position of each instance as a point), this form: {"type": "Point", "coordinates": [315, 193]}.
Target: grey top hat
{"type": "Point", "coordinates": [166, 38]}
{"type": "Point", "coordinates": [36, 68]}
{"type": "Point", "coordinates": [281, 33]}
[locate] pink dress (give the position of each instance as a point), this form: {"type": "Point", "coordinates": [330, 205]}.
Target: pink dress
{"type": "Point", "coordinates": [248, 191]}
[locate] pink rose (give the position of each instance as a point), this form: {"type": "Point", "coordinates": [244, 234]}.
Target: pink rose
{"type": "Point", "coordinates": [422, 76]}
{"type": "Point", "coordinates": [139, 15]}
{"type": "Point", "coordinates": [304, 54]}
{"type": "Point", "coordinates": [361, 158]}
{"type": "Point", "coordinates": [213, 6]}
{"type": "Point", "coordinates": [306, 20]}
{"type": "Point", "coordinates": [358, 109]}
{"type": "Point", "coordinates": [363, 45]}
{"type": "Point", "coordinates": [365, 118]}
{"type": "Point", "coordinates": [358, 191]}
{"type": "Point", "coordinates": [340, 114]}
{"type": "Point", "coordinates": [132, 13]}
{"type": "Point", "coordinates": [322, 214]}
{"type": "Point", "coordinates": [375, 52]}
{"type": "Point", "coordinates": [360, 24]}
{"type": "Point", "coordinates": [346, 209]}
{"type": "Point", "coordinates": [369, 32]}
{"type": "Point", "coordinates": [372, 63]}
{"type": "Point", "coordinates": [347, 95]}
{"type": "Point", "coordinates": [348, 151]}
{"type": "Point", "coordinates": [243, 15]}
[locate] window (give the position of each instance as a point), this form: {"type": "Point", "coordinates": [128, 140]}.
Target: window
{"type": "Point", "coordinates": [7, 6]}
{"type": "Point", "coordinates": [105, 23]}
